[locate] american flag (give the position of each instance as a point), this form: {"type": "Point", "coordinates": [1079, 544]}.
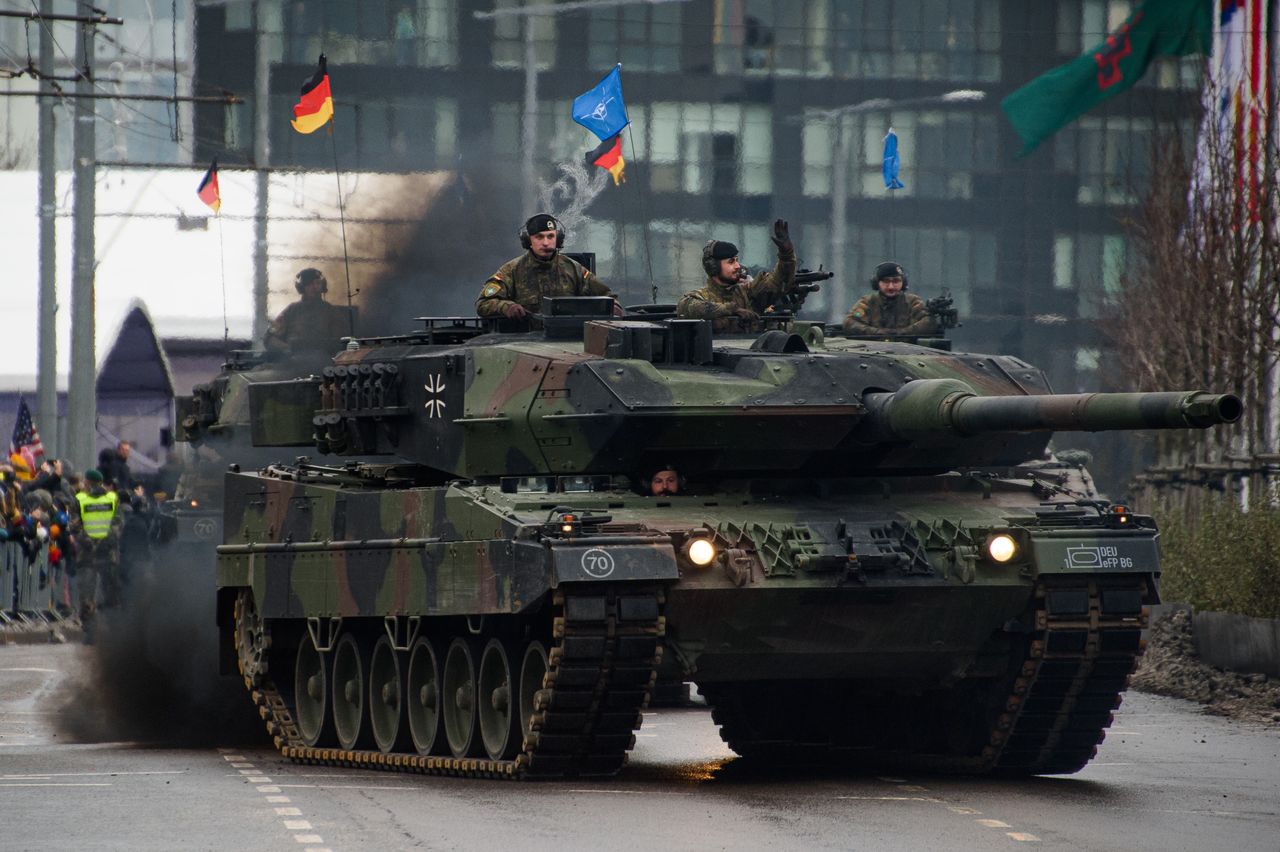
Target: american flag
{"type": "Point", "coordinates": [25, 436]}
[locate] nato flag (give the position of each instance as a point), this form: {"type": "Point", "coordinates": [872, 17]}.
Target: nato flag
{"type": "Point", "coordinates": [601, 109]}
{"type": "Point", "coordinates": [891, 161]}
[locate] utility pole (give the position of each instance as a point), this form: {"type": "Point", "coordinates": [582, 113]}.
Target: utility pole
{"type": "Point", "coordinates": [529, 125]}
{"type": "Point", "coordinates": [82, 403]}
{"type": "Point", "coordinates": [47, 330]}
{"type": "Point", "coordinates": [261, 157]}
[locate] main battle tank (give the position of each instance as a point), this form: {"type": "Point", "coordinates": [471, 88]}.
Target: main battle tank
{"type": "Point", "coordinates": [872, 558]}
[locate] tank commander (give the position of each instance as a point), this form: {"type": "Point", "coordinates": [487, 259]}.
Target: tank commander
{"type": "Point", "coordinates": [664, 482]}
{"type": "Point", "coordinates": [733, 300]}
{"type": "Point", "coordinates": [515, 291]}
{"type": "Point", "coordinates": [311, 324]}
{"type": "Point", "coordinates": [890, 309]}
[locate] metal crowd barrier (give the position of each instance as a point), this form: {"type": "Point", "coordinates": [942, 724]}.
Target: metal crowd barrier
{"type": "Point", "coordinates": [32, 590]}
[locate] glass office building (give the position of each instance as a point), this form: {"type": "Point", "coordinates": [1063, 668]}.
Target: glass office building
{"type": "Point", "coordinates": [737, 119]}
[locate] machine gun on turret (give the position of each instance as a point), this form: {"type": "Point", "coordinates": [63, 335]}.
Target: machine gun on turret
{"type": "Point", "coordinates": [942, 309]}
{"type": "Point", "coordinates": [806, 283]}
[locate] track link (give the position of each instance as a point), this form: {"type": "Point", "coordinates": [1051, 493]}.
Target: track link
{"type": "Point", "coordinates": [602, 664]}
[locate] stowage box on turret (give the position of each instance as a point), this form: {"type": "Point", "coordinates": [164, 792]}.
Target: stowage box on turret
{"type": "Point", "coordinates": [870, 556]}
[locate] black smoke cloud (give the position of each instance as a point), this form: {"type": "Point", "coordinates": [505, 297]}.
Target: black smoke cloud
{"type": "Point", "coordinates": [152, 676]}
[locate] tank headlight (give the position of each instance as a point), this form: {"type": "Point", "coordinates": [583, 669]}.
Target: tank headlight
{"type": "Point", "coordinates": [1002, 548]}
{"type": "Point", "coordinates": [701, 552]}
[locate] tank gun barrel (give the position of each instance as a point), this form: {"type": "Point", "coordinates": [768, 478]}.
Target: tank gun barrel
{"type": "Point", "coordinates": [950, 407]}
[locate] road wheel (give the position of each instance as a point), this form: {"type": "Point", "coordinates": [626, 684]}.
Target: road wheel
{"type": "Point", "coordinates": [311, 694]}
{"type": "Point", "coordinates": [386, 698]}
{"type": "Point", "coordinates": [533, 670]}
{"type": "Point", "coordinates": [423, 694]}
{"type": "Point", "coordinates": [459, 703]}
{"type": "Point", "coordinates": [497, 705]}
{"type": "Point", "coordinates": [350, 686]}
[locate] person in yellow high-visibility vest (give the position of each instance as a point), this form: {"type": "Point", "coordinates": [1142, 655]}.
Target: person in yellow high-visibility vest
{"type": "Point", "coordinates": [96, 526]}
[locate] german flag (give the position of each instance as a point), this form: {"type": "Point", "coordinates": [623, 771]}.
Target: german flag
{"type": "Point", "coordinates": [608, 156]}
{"type": "Point", "coordinates": [315, 107]}
{"type": "Point", "coordinates": [208, 191]}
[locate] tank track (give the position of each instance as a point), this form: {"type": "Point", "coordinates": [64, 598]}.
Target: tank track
{"type": "Point", "coordinates": [607, 644]}
{"type": "Point", "coordinates": [1048, 716]}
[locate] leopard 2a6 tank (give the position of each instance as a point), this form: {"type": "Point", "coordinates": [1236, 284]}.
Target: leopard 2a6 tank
{"type": "Point", "coordinates": [870, 558]}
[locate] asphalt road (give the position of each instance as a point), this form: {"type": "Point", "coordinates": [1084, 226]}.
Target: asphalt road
{"type": "Point", "coordinates": [1168, 778]}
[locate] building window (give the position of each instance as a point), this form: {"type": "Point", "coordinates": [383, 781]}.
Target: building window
{"type": "Point", "coordinates": [508, 37]}
{"type": "Point", "coordinates": [1110, 156]}
{"type": "Point", "coordinates": [1095, 265]}
{"type": "Point", "coordinates": [642, 39]}
{"type": "Point", "coordinates": [410, 133]}
{"type": "Point", "coordinates": [918, 39]}
{"type": "Point", "coordinates": [705, 148]}
{"type": "Point", "coordinates": [941, 151]}
{"type": "Point", "coordinates": [782, 37]}
{"type": "Point", "coordinates": [377, 32]}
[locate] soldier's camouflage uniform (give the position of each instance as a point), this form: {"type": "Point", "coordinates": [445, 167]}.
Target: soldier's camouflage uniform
{"type": "Point", "coordinates": [903, 314]}
{"type": "Point", "coordinates": [308, 325]}
{"type": "Point", "coordinates": [717, 301]}
{"type": "Point", "coordinates": [524, 280]}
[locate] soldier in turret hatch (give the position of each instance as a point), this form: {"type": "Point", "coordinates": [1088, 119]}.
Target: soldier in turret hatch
{"type": "Point", "coordinates": [733, 300]}
{"type": "Point", "coordinates": [515, 291]}
{"type": "Point", "coordinates": [890, 309]}
{"type": "Point", "coordinates": [310, 325]}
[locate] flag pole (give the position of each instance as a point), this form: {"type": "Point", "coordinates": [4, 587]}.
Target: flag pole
{"type": "Point", "coordinates": [222, 263]}
{"type": "Point", "coordinates": [342, 221]}
{"type": "Point", "coordinates": [644, 220]}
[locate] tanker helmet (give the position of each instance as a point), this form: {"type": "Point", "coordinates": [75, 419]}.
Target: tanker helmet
{"type": "Point", "coordinates": [306, 276]}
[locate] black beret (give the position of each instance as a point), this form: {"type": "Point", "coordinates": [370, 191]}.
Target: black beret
{"type": "Point", "coordinates": [888, 269]}
{"type": "Point", "coordinates": [540, 222]}
{"type": "Point", "coordinates": [723, 251]}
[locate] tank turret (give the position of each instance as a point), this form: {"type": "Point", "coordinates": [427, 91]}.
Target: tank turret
{"type": "Point", "coordinates": [637, 393]}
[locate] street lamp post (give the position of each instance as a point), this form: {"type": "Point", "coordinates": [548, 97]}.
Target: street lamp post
{"type": "Point", "coordinates": [838, 220]}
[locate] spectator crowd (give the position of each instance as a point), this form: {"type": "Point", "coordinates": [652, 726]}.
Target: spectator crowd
{"type": "Point", "coordinates": [39, 509]}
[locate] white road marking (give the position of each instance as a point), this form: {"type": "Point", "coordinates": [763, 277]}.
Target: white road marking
{"type": "Point", "coordinates": [893, 798]}
{"type": "Point", "coordinates": [278, 800]}
{"type": "Point", "coordinates": [53, 784]}
{"type": "Point", "coordinates": [276, 789]}
{"type": "Point", "coordinates": [993, 823]}
{"type": "Point", "coordinates": [258, 779]}
{"type": "Point", "coordinates": [249, 772]}
{"type": "Point", "coordinates": [297, 825]}
{"type": "Point", "coordinates": [233, 757]}
{"type": "Point", "coordinates": [308, 838]}
{"type": "Point", "coordinates": [288, 812]}
{"type": "Point", "coordinates": [7, 777]}
{"type": "Point", "coordinates": [242, 766]}
{"type": "Point", "coordinates": [955, 809]}
{"type": "Point", "coordinates": [1023, 836]}
{"type": "Point", "coordinates": [604, 792]}
{"type": "Point", "coordinates": [42, 671]}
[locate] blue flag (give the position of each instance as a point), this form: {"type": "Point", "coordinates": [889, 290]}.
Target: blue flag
{"type": "Point", "coordinates": [601, 110]}
{"type": "Point", "coordinates": [891, 161]}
